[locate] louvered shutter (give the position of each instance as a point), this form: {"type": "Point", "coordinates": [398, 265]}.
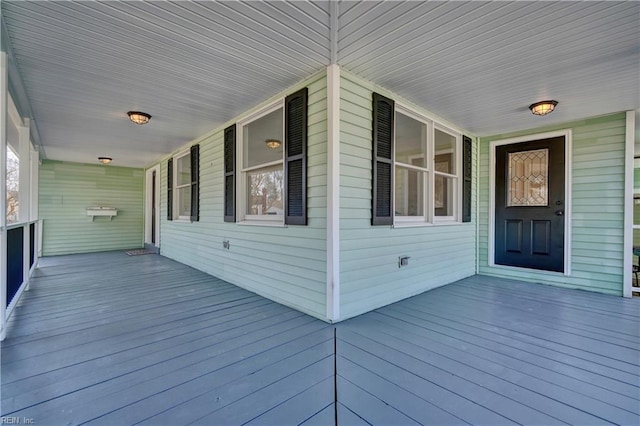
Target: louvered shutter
{"type": "Point", "coordinates": [230, 174]}
{"type": "Point", "coordinates": [195, 183]}
{"type": "Point", "coordinates": [295, 164]}
{"type": "Point", "coordinates": [466, 178]}
{"type": "Point", "coordinates": [170, 189]}
{"type": "Point", "coordinates": [382, 168]}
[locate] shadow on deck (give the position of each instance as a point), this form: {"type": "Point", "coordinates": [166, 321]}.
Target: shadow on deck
{"type": "Point", "coordinates": [112, 339]}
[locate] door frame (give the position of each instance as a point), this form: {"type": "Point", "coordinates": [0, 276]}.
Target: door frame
{"type": "Point", "coordinates": [148, 208]}
{"type": "Point", "coordinates": [567, 190]}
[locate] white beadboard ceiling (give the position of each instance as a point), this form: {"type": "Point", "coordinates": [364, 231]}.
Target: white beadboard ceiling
{"type": "Point", "coordinates": [195, 65]}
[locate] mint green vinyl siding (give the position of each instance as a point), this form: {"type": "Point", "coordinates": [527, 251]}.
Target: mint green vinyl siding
{"type": "Point", "coordinates": [285, 264]}
{"type": "Point", "coordinates": [597, 206]}
{"type": "Point", "coordinates": [67, 189]}
{"type": "Point", "coordinates": [369, 272]}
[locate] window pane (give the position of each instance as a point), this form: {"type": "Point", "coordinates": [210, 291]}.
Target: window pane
{"type": "Point", "coordinates": [409, 192]}
{"type": "Point", "coordinates": [184, 170]}
{"type": "Point", "coordinates": [13, 185]}
{"type": "Point", "coordinates": [184, 201]}
{"type": "Point", "coordinates": [264, 191]}
{"type": "Point", "coordinates": [444, 196]}
{"type": "Point", "coordinates": [410, 140]}
{"type": "Point", "coordinates": [255, 135]}
{"type": "Point", "coordinates": [527, 178]}
{"type": "Point", "coordinates": [445, 147]}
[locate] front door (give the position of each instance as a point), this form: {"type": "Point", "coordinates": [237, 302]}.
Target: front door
{"type": "Point", "coordinates": [152, 208]}
{"type": "Point", "coordinates": [529, 204]}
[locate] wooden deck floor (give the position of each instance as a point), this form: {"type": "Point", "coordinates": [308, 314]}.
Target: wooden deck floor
{"type": "Point", "coordinates": [117, 340]}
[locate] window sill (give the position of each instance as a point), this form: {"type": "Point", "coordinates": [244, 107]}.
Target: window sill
{"type": "Point", "coordinates": [272, 224]}
{"type": "Point", "coordinates": [181, 221]}
{"type": "Point", "coordinates": [425, 224]}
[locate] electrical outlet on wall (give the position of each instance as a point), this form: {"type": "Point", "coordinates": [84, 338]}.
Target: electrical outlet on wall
{"type": "Point", "coordinates": [403, 261]}
{"type": "Point", "coordinates": [225, 244]}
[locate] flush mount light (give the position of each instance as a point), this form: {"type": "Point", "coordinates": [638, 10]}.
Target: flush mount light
{"type": "Point", "coordinates": [105, 160]}
{"type": "Point", "coordinates": [273, 143]}
{"type": "Point", "coordinates": [139, 117]}
{"type": "Point", "coordinates": [543, 107]}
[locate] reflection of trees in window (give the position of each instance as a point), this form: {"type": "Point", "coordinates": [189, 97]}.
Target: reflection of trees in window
{"type": "Point", "coordinates": [13, 186]}
{"type": "Point", "coordinates": [265, 192]}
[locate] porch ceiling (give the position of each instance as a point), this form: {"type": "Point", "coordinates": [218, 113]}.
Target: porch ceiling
{"type": "Point", "coordinates": [195, 65]}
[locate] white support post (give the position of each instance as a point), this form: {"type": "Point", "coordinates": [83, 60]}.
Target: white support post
{"type": "Point", "coordinates": [4, 94]}
{"type": "Point", "coordinates": [333, 193]}
{"type": "Point", "coordinates": [35, 175]}
{"type": "Point", "coordinates": [33, 204]}
{"type": "Point", "coordinates": [24, 173]}
{"type": "Point", "coordinates": [627, 275]}
{"type": "Point", "coordinates": [24, 194]}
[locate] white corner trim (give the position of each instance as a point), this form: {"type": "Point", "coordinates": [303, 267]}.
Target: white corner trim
{"type": "Point", "coordinates": [627, 264]}
{"type": "Point", "coordinates": [568, 165]}
{"type": "Point", "coordinates": [333, 192]}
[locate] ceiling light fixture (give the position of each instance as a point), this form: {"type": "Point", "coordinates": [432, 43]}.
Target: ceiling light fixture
{"type": "Point", "coordinates": [139, 117]}
{"type": "Point", "coordinates": [105, 160]}
{"type": "Point", "coordinates": [543, 107]}
{"type": "Point", "coordinates": [273, 143]}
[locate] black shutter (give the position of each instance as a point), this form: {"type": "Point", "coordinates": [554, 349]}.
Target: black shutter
{"type": "Point", "coordinates": [170, 189]}
{"type": "Point", "coordinates": [382, 168]}
{"type": "Point", "coordinates": [466, 178]}
{"type": "Point", "coordinates": [195, 183]}
{"type": "Point", "coordinates": [295, 163]}
{"type": "Point", "coordinates": [230, 174]}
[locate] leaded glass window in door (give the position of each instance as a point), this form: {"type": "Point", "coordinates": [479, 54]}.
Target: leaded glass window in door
{"type": "Point", "coordinates": [528, 178]}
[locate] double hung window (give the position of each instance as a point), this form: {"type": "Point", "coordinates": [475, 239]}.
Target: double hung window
{"type": "Point", "coordinates": [265, 165]}
{"type": "Point", "coordinates": [262, 167]}
{"type": "Point", "coordinates": [183, 185]}
{"type": "Point", "coordinates": [426, 171]}
{"type": "Point", "coordinates": [427, 184]}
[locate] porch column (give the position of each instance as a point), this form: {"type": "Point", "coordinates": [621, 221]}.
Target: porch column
{"type": "Point", "coordinates": [627, 276]}
{"type": "Point", "coordinates": [24, 194]}
{"type": "Point", "coordinates": [333, 192]}
{"type": "Point", "coordinates": [24, 173]}
{"type": "Point", "coordinates": [4, 81]}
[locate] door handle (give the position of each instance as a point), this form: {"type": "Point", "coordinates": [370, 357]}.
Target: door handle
{"type": "Point", "coordinates": [559, 212]}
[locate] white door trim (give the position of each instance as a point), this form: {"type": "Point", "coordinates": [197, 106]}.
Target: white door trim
{"type": "Point", "coordinates": [148, 208]}
{"type": "Point", "coordinates": [567, 190]}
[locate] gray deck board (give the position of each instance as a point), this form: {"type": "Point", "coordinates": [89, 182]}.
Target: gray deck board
{"type": "Point", "coordinates": [545, 369]}
{"type": "Point", "coordinates": [295, 411]}
{"type": "Point", "coordinates": [528, 353]}
{"type": "Point", "coordinates": [562, 403]}
{"type": "Point", "coordinates": [109, 339]}
{"type": "Point", "coordinates": [489, 318]}
{"type": "Point", "coordinates": [324, 417]}
{"type": "Point", "coordinates": [112, 339]}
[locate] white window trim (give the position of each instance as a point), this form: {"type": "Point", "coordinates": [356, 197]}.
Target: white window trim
{"type": "Point", "coordinates": [176, 188]}
{"type": "Point", "coordinates": [242, 217]}
{"type": "Point", "coordinates": [429, 218]}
